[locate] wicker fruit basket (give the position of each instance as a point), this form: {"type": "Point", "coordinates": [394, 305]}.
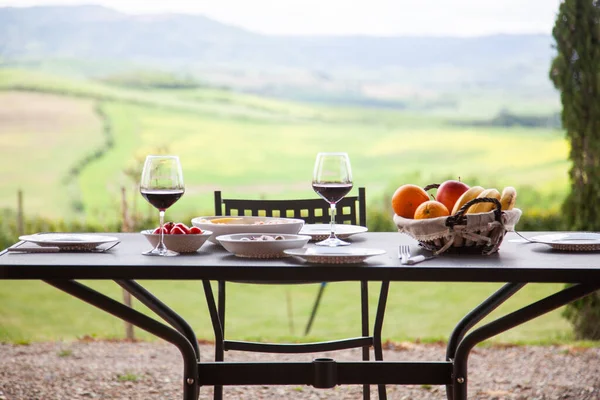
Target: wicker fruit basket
{"type": "Point", "coordinates": [462, 233]}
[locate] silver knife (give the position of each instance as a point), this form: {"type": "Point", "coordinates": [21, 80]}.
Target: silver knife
{"type": "Point", "coordinates": [418, 259]}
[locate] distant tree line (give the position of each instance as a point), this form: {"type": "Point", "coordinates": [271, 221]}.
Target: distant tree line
{"type": "Point", "coordinates": [508, 120]}
{"type": "Point", "coordinates": [153, 80]}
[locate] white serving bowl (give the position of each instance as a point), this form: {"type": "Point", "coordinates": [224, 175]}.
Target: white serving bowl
{"type": "Point", "coordinates": [242, 245]}
{"type": "Point", "coordinates": [257, 225]}
{"type": "Point", "coordinates": [188, 243]}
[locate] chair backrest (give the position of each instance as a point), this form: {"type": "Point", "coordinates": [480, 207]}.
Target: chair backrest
{"type": "Point", "coordinates": [351, 209]}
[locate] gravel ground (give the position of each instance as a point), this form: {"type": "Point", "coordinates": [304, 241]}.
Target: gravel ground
{"type": "Point", "coordinates": [121, 370]}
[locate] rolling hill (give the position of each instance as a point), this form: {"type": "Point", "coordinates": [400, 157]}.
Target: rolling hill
{"type": "Point", "coordinates": [331, 68]}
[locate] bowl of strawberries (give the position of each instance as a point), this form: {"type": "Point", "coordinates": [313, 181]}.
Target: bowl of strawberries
{"type": "Point", "coordinates": [178, 237]}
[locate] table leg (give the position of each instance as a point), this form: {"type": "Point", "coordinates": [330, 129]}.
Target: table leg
{"type": "Point", "coordinates": [479, 313]}
{"type": "Point", "coordinates": [220, 346]}
{"type": "Point", "coordinates": [377, 347]}
{"type": "Point", "coordinates": [502, 324]}
{"type": "Point", "coordinates": [119, 310]}
{"type": "Point", "coordinates": [476, 315]}
{"type": "Point", "coordinates": [162, 310]}
{"type": "Point", "coordinates": [218, 326]}
{"type": "Point", "coordinates": [364, 313]}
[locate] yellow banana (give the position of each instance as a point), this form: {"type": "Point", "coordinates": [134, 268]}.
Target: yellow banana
{"type": "Point", "coordinates": [508, 198]}
{"type": "Point", "coordinates": [466, 197]}
{"type": "Point", "coordinates": [484, 206]}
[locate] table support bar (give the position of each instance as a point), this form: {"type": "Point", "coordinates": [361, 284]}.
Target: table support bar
{"type": "Point", "coordinates": [190, 364]}
{"type": "Point", "coordinates": [325, 373]}
{"type": "Point", "coordinates": [162, 310]}
{"type": "Point", "coordinates": [287, 348]}
{"type": "Point", "coordinates": [479, 313]}
{"type": "Point", "coordinates": [476, 315]}
{"type": "Point", "coordinates": [505, 323]}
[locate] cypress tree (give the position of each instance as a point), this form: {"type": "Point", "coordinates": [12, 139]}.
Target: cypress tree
{"type": "Point", "coordinates": [575, 72]}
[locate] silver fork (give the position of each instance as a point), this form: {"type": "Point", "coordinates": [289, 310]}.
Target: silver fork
{"type": "Point", "coordinates": [405, 258]}
{"type": "Point", "coordinates": [404, 253]}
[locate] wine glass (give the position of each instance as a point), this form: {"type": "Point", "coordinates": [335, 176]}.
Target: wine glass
{"type": "Point", "coordinates": [162, 185]}
{"type": "Point", "coordinates": [332, 180]}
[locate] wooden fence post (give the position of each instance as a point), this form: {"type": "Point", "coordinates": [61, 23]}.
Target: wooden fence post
{"type": "Point", "coordinates": [125, 227]}
{"type": "Point", "coordinates": [20, 222]}
{"type": "Point", "coordinates": [129, 333]}
{"type": "Point", "coordinates": [290, 313]}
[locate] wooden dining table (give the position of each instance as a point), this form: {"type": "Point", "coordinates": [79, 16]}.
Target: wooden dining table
{"type": "Point", "coordinates": [516, 264]}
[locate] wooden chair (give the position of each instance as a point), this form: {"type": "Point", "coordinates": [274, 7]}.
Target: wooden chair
{"type": "Point", "coordinates": [350, 209]}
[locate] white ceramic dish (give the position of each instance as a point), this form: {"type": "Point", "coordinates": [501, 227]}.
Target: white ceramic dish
{"type": "Point", "coordinates": [69, 241]}
{"type": "Point", "coordinates": [180, 243]}
{"type": "Point", "coordinates": [260, 225]}
{"type": "Point", "coordinates": [334, 255]}
{"type": "Point", "coordinates": [252, 245]}
{"type": "Point", "coordinates": [322, 231]}
{"type": "Point", "coordinates": [572, 241]}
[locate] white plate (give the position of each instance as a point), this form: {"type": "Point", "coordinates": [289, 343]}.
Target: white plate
{"type": "Point", "coordinates": [574, 241]}
{"type": "Point", "coordinates": [322, 231]}
{"type": "Point", "coordinates": [239, 245]}
{"type": "Point", "coordinates": [68, 241]}
{"type": "Point", "coordinates": [226, 225]}
{"type": "Point", "coordinates": [335, 255]}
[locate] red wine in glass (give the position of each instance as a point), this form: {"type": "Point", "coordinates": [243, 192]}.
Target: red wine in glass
{"type": "Point", "coordinates": [162, 185]}
{"type": "Point", "coordinates": [332, 192]}
{"type": "Point", "coordinates": [161, 199]}
{"type": "Point", "coordinates": [332, 180]}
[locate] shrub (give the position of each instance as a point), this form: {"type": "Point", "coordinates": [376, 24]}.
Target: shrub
{"type": "Point", "coordinates": [541, 220]}
{"type": "Point", "coordinates": [584, 315]}
{"type": "Point", "coordinates": [9, 233]}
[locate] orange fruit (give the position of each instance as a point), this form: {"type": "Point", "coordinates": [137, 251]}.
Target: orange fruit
{"type": "Point", "coordinates": [407, 198]}
{"type": "Point", "coordinates": [431, 209]}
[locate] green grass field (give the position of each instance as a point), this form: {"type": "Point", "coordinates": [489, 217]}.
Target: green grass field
{"type": "Point", "coordinates": [33, 311]}
{"type": "Point", "coordinates": [254, 147]}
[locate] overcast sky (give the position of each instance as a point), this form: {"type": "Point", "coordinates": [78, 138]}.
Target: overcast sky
{"type": "Point", "coordinates": [372, 17]}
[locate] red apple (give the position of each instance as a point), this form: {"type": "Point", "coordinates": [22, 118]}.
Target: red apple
{"type": "Point", "coordinates": [450, 191]}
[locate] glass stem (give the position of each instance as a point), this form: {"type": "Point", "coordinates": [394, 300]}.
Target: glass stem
{"type": "Point", "coordinates": [332, 205]}
{"type": "Point", "coordinates": [161, 243]}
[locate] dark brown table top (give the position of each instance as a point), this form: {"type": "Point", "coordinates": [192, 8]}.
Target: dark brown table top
{"type": "Point", "coordinates": [515, 262]}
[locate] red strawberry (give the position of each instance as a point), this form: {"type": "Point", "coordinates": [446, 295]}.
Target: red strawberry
{"type": "Point", "coordinates": [157, 231]}
{"type": "Point", "coordinates": [194, 230]}
{"type": "Point", "coordinates": [183, 227]}
{"type": "Point", "coordinates": [177, 231]}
